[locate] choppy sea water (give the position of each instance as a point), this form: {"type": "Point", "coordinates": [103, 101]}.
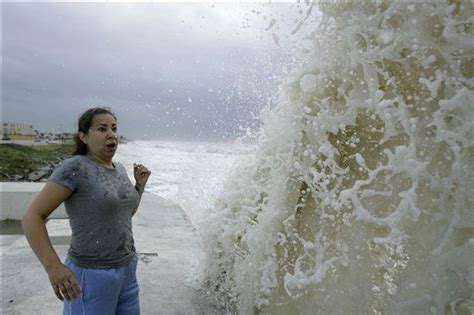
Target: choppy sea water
{"type": "Point", "coordinates": [190, 174]}
{"type": "Point", "coordinates": [359, 197]}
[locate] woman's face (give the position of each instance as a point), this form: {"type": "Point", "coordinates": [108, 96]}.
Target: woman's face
{"type": "Point", "coordinates": [101, 138]}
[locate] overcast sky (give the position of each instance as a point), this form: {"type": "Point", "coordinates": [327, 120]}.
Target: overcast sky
{"type": "Point", "coordinates": [168, 70]}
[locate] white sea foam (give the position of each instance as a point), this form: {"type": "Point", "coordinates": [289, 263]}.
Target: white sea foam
{"type": "Point", "coordinates": [359, 199]}
{"type": "Point", "coordinates": [189, 173]}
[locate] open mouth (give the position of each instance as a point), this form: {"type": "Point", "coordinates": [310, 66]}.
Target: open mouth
{"type": "Point", "coordinates": [111, 145]}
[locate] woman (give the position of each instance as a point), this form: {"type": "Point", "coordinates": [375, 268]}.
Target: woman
{"type": "Point", "coordinates": [98, 276]}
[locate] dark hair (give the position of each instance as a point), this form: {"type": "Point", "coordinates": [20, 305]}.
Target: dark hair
{"type": "Point", "coordinates": [83, 125]}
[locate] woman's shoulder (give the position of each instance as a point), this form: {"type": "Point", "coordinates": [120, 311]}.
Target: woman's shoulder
{"type": "Point", "coordinates": [68, 172]}
{"type": "Point", "coordinates": [73, 161]}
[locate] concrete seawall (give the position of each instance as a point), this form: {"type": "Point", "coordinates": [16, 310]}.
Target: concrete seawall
{"type": "Point", "coordinates": [16, 196]}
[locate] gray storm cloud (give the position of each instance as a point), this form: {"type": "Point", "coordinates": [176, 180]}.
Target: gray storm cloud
{"type": "Point", "coordinates": [168, 70]}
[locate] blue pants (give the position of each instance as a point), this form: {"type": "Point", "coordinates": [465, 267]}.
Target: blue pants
{"type": "Point", "coordinates": [105, 291]}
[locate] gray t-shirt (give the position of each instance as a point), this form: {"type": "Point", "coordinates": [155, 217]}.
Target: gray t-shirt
{"type": "Point", "coordinates": [99, 210]}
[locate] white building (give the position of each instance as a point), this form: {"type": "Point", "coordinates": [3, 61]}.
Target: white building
{"type": "Point", "coordinates": [17, 131]}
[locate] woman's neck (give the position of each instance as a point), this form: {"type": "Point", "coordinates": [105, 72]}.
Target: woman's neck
{"type": "Point", "coordinates": [106, 163]}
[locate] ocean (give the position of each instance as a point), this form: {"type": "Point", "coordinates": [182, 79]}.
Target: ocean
{"type": "Point", "coordinates": [191, 174]}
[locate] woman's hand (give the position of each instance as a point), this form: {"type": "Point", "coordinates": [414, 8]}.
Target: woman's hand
{"type": "Point", "coordinates": [64, 283]}
{"type": "Point", "coordinates": [141, 174]}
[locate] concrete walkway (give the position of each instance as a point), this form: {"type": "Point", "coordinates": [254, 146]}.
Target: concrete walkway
{"type": "Point", "coordinates": [169, 255]}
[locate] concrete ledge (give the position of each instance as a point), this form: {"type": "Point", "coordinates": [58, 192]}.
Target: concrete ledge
{"type": "Point", "coordinates": [16, 196]}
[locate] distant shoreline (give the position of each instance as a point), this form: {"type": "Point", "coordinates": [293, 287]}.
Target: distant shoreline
{"type": "Point", "coordinates": [29, 161]}
{"type": "Point", "coordinates": [30, 142]}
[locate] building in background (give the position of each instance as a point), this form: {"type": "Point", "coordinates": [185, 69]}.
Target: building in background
{"type": "Point", "coordinates": [17, 131]}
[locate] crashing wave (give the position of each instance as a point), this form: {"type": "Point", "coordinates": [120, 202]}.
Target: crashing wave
{"type": "Point", "coordinates": [360, 197]}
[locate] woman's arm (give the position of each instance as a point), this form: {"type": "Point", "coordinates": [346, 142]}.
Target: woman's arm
{"type": "Point", "coordinates": [141, 174]}
{"type": "Point", "coordinates": [62, 279]}
{"type": "Point", "coordinates": [140, 191]}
